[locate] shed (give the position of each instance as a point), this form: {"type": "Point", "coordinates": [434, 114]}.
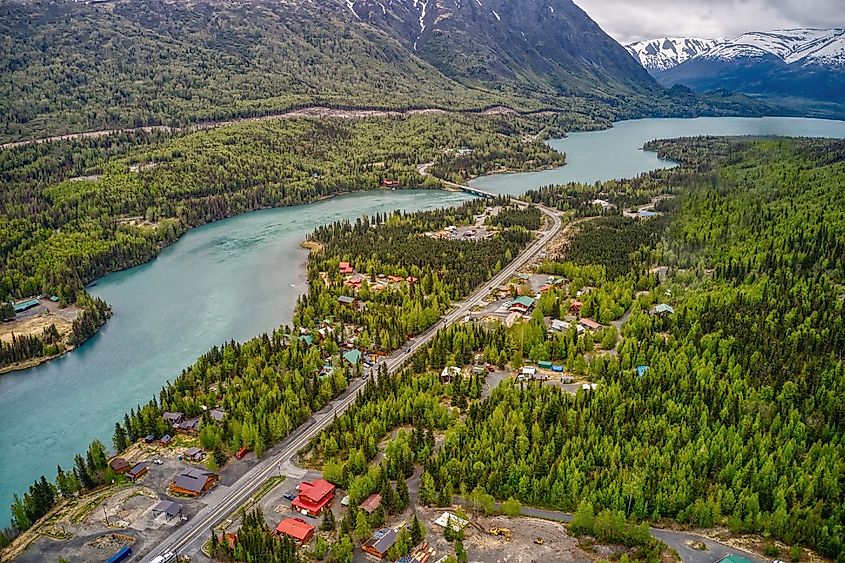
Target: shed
{"type": "Point", "coordinates": [448, 519]}
{"type": "Point", "coordinates": [217, 414]}
{"type": "Point", "coordinates": [149, 438]}
{"type": "Point", "coordinates": [169, 508]}
{"type": "Point", "coordinates": [195, 454]}
{"type": "Point", "coordinates": [119, 465]}
{"type": "Point", "coordinates": [166, 439]}
{"type": "Point", "coordinates": [138, 470]}
{"type": "Point", "coordinates": [558, 325]}
{"type": "Point", "coordinates": [544, 364]}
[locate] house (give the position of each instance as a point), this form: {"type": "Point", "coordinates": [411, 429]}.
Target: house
{"type": "Point", "coordinates": [194, 454]}
{"type": "Point", "coordinates": [355, 281]}
{"type": "Point", "coordinates": [119, 465]}
{"type": "Point", "coordinates": [381, 542]}
{"type": "Point", "coordinates": [188, 425]}
{"type": "Point", "coordinates": [346, 300]}
{"type": "Point", "coordinates": [558, 325]}
{"type": "Point", "coordinates": [644, 214]}
{"type": "Point", "coordinates": [589, 324]}
{"type": "Point", "coordinates": [603, 203]}
{"type": "Point", "coordinates": [149, 438]}
{"type": "Point", "coordinates": [138, 470]}
{"type": "Point", "coordinates": [589, 386]}
{"type": "Point", "coordinates": [449, 374]}
{"type": "Point", "coordinates": [166, 439]}
{"type": "Point", "coordinates": [173, 418]}
{"type": "Point", "coordinates": [193, 482]}
{"type": "Point", "coordinates": [296, 528]}
{"type": "Point", "coordinates": [479, 370]}
{"type": "Point", "coordinates": [352, 356]}
{"type": "Point", "coordinates": [664, 309]}
{"type": "Point", "coordinates": [307, 338]}
{"type": "Point", "coordinates": [575, 306]}
{"type": "Point", "coordinates": [521, 304]}
{"type": "Point", "coordinates": [313, 497]}
{"type": "Point", "coordinates": [217, 414]}
{"type": "Point", "coordinates": [371, 504]}
{"type": "Point", "coordinates": [169, 508]}
{"type": "Point", "coordinates": [345, 268]}
{"type": "Point", "coordinates": [390, 183]}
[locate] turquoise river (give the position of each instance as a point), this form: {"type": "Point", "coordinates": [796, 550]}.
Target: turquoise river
{"type": "Point", "coordinates": [240, 277]}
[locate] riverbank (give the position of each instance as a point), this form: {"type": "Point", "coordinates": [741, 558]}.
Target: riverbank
{"type": "Point", "coordinates": [40, 321]}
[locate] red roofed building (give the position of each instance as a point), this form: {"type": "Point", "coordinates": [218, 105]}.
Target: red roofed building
{"type": "Point", "coordinates": [297, 529]}
{"type": "Point", "coordinates": [313, 497]}
{"type": "Point", "coordinates": [575, 306]}
{"type": "Point", "coordinates": [345, 268]}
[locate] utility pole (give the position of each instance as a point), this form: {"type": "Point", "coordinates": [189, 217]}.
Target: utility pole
{"type": "Point", "coordinates": [106, 515]}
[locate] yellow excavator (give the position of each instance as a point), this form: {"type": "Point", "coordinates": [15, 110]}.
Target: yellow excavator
{"type": "Point", "coordinates": [502, 532]}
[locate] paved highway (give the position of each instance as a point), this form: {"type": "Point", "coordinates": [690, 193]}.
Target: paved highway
{"type": "Point", "coordinates": [190, 536]}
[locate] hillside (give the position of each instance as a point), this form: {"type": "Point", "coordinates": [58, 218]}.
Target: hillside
{"type": "Point", "coordinates": [73, 66]}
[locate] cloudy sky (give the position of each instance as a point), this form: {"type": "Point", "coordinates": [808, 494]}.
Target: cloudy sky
{"type": "Point", "coordinates": [632, 20]}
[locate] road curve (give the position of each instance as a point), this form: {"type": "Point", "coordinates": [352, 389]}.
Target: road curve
{"type": "Point", "coordinates": [194, 532]}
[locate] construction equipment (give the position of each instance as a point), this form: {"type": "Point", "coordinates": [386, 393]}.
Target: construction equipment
{"type": "Point", "coordinates": [501, 532]}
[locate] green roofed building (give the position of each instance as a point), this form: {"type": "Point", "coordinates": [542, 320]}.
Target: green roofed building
{"type": "Point", "coordinates": [544, 365]}
{"type": "Point", "coordinates": [307, 338]}
{"type": "Point", "coordinates": [352, 356]}
{"type": "Point", "coordinates": [732, 558]}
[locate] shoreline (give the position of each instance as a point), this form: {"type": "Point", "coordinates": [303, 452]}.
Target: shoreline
{"type": "Point", "coordinates": [35, 362]}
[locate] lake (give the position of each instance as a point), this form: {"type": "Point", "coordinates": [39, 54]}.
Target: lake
{"type": "Point", "coordinates": [240, 277]}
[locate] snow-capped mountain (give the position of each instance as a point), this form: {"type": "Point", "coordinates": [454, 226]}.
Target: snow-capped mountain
{"type": "Point", "coordinates": [667, 52]}
{"type": "Point", "coordinates": [824, 47]}
{"type": "Point", "coordinates": [796, 68]}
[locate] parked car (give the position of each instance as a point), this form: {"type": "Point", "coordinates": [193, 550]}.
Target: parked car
{"type": "Point", "coordinates": [291, 494]}
{"type": "Point", "coordinates": [158, 462]}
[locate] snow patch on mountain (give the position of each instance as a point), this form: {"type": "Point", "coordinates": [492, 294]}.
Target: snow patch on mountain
{"type": "Point", "coordinates": [825, 47]}
{"type": "Point", "coordinates": [666, 52]}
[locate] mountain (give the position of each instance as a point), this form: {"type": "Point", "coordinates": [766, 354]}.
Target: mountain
{"type": "Point", "coordinates": [667, 52]}
{"type": "Point", "coordinates": [544, 48]}
{"type": "Point", "coordinates": [70, 66]}
{"type": "Point", "coordinates": [801, 69]}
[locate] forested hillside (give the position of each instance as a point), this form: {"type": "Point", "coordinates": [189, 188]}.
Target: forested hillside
{"type": "Point", "coordinates": [79, 66]}
{"type": "Point", "coordinates": [728, 411]}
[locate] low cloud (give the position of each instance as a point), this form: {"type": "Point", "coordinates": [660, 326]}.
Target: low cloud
{"type": "Point", "coordinates": [629, 21]}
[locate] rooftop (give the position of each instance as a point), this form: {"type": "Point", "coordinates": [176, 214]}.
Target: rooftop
{"type": "Point", "coordinates": [295, 528]}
